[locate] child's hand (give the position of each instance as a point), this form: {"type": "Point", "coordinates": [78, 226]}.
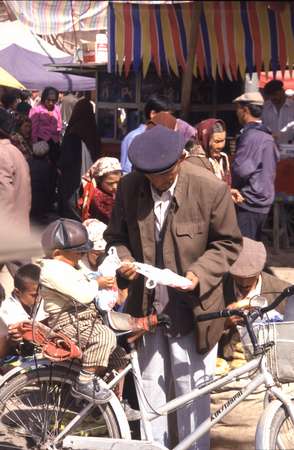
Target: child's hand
{"type": "Point", "coordinates": [14, 334]}
{"type": "Point", "coordinates": [106, 282]}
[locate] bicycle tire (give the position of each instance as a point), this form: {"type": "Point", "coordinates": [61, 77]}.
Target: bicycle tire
{"type": "Point", "coordinates": [281, 435]}
{"type": "Point", "coordinates": [35, 406]}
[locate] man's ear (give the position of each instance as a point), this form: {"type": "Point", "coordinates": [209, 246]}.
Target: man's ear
{"type": "Point", "coordinates": [183, 156]}
{"type": "Point", "coordinates": [17, 292]}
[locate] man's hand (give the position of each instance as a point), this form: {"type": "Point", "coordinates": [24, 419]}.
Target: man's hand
{"type": "Point", "coordinates": [106, 282]}
{"type": "Point", "coordinates": [235, 320]}
{"type": "Point", "coordinates": [195, 281]}
{"type": "Point", "coordinates": [13, 334]}
{"type": "Point", "coordinates": [237, 197]}
{"type": "Point", "coordinates": [128, 271]}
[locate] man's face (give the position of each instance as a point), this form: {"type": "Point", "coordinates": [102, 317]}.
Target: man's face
{"type": "Point", "coordinates": [29, 295]}
{"type": "Point", "coordinates": [162, 182]}
{"type": "Point", "coordinates": [278, 97]}
{"type": "Point", "coordinates": [245, 285]}
{"type": "Point", "coordinates": [241, 114]}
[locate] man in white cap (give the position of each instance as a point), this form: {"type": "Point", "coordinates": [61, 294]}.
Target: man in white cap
{"type": "Point", "coordinates": [254, 166]}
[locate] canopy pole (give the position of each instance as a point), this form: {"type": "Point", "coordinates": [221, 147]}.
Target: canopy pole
{"type": "Point", "coordinates": [188, 74]}
{"type": "Point", "coordinates": [96, 98]}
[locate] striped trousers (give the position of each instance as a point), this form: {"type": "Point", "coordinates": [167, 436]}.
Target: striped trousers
{"type": "Point", "coordinates": [96, 340]}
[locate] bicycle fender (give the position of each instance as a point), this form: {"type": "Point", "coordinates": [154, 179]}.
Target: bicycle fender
{"type": "Point", "coordinates": [28, 364]}
{"type": "Point", "coordinates": [263, 429]}
{"type": "Point", "coordinates": [22, 367]}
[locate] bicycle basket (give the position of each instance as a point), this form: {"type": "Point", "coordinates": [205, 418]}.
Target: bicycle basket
{"type": "Point", "coordinates": [280, 357]}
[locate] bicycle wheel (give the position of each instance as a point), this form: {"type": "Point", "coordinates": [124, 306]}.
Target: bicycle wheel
{"type": "Point", "coordinates": [282, 431]}
{"type": "Point", "coordinates": [36, 406]}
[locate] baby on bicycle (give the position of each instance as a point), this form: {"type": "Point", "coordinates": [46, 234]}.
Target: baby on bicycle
{"type": "Point", "coordinates": [68, 295]}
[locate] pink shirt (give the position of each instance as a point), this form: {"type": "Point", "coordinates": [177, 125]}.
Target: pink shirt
{"type": "Point", "coordinates": [46, 124]}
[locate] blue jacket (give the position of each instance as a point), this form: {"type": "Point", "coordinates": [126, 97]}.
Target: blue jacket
{"type": "Point", "coordinates": [254, 167]}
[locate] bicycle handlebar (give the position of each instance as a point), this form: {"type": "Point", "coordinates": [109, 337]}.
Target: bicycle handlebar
{"type": "Point", "coordinates": [250, 316]}
{"type": "Point", "coordinates": [238, 312]}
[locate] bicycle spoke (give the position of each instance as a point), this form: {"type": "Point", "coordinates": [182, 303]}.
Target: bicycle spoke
{"type": "Point", "coordinates": [41, 407]}
{"type": "Point", "coordinates": [285, 439]}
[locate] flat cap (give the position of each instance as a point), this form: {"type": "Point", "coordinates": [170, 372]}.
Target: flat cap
{"type": "Point", "coordinates": [66, 234]}
{"type": "Point", "coordinates": [254, 98]}
{"type": "Point", "coordinates": [156, 150]}
{"type": "Point", "coordinates": [251, 260]}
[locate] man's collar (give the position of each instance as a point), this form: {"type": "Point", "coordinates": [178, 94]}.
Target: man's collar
{"type": "Point", "coordinates": [170, 190]}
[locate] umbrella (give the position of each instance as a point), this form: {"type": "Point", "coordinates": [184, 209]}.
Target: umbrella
{"type": "Point", "coordinates": [9, 81]}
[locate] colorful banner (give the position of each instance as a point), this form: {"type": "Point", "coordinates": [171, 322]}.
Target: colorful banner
{"type": "Point", "coordinates": [235, 37]}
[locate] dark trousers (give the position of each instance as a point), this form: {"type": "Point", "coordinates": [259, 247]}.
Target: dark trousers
{"type": "Point", "coordinates": [250, 223]}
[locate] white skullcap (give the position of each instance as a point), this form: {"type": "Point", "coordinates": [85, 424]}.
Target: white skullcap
{"type": "Point", "coordinates": [95, 230]}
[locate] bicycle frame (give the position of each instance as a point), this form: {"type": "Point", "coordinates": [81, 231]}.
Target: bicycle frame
{"type": "Point", "coordinates": [263, 377]}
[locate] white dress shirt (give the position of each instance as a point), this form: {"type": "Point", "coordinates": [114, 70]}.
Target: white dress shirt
{"type": "Point", "coordinates": [277, 121]}
{"type": "Point", "coordinates": [161, 206]}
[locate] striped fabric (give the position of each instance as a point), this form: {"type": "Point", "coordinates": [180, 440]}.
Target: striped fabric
{"type": "Point", "coordinates": [46, 17]}
{"type": "Point", "coordinates": [245, 36]}
{"type": "Point", "coordinates": [235, 36]}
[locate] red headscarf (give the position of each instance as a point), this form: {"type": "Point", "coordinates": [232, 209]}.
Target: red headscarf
{"type": "Point", "coordinates": [205, 131]}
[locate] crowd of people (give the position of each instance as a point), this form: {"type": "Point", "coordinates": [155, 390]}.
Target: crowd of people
{"type": "Point", "coordinates": [175, 200]}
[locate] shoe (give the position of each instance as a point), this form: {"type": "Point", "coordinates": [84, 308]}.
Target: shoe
{"type": "Point", "coordinates": [91, 390]}
{"type": "Point", "coordinates": [131, 414]}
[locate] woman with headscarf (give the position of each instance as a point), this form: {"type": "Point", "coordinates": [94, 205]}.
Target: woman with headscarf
{"type": "Point", "coordinates": [210, 141]}
{"type": "Point", "coordinates": [99, 187]}
{"type": "Point", "coordinates": [206, 151]}
{"type": "Point", "coordinates": [79, 150]}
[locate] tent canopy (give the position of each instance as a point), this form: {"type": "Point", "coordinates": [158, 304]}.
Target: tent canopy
{"type": "Point", "coordinates": [233, 36]}
{"type": "Point", "coordinates": [24, 55]}
{"type": "Point", "coordinates": [47, 17]}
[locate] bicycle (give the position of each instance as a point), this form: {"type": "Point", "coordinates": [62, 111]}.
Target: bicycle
{"type": "Point", "coordinates": [35, 400]}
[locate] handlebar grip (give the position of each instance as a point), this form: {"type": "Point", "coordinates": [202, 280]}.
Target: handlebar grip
{"type": "Point", "coordinates": [209, 316]}
{"type": "Point", "coordinates": [220, 314]}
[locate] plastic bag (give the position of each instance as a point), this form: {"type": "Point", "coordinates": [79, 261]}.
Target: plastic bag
{"type": "Point", "coordinates": [165, 277]}
{"type": "Point", "coordinates": [107, 298]}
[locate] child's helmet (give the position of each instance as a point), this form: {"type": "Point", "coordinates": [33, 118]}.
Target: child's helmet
{"type": "Point", "coordinates": [66, 234]}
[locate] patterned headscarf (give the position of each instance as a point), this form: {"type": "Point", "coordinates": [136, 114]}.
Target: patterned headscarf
{"type": "Point", "coordinates": [205, 131]}
{"type": "Point", "coordinates": [104, 165]}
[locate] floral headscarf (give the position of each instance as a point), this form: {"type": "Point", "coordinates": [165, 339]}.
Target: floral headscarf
{"type": "Point", "coordinates": [104, 166]}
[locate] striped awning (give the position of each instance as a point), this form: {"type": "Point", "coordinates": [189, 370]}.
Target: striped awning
{"type": "Point", "coordinates": [51, 17]}
{"type": "Point", "coordinates": [246, 36]}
